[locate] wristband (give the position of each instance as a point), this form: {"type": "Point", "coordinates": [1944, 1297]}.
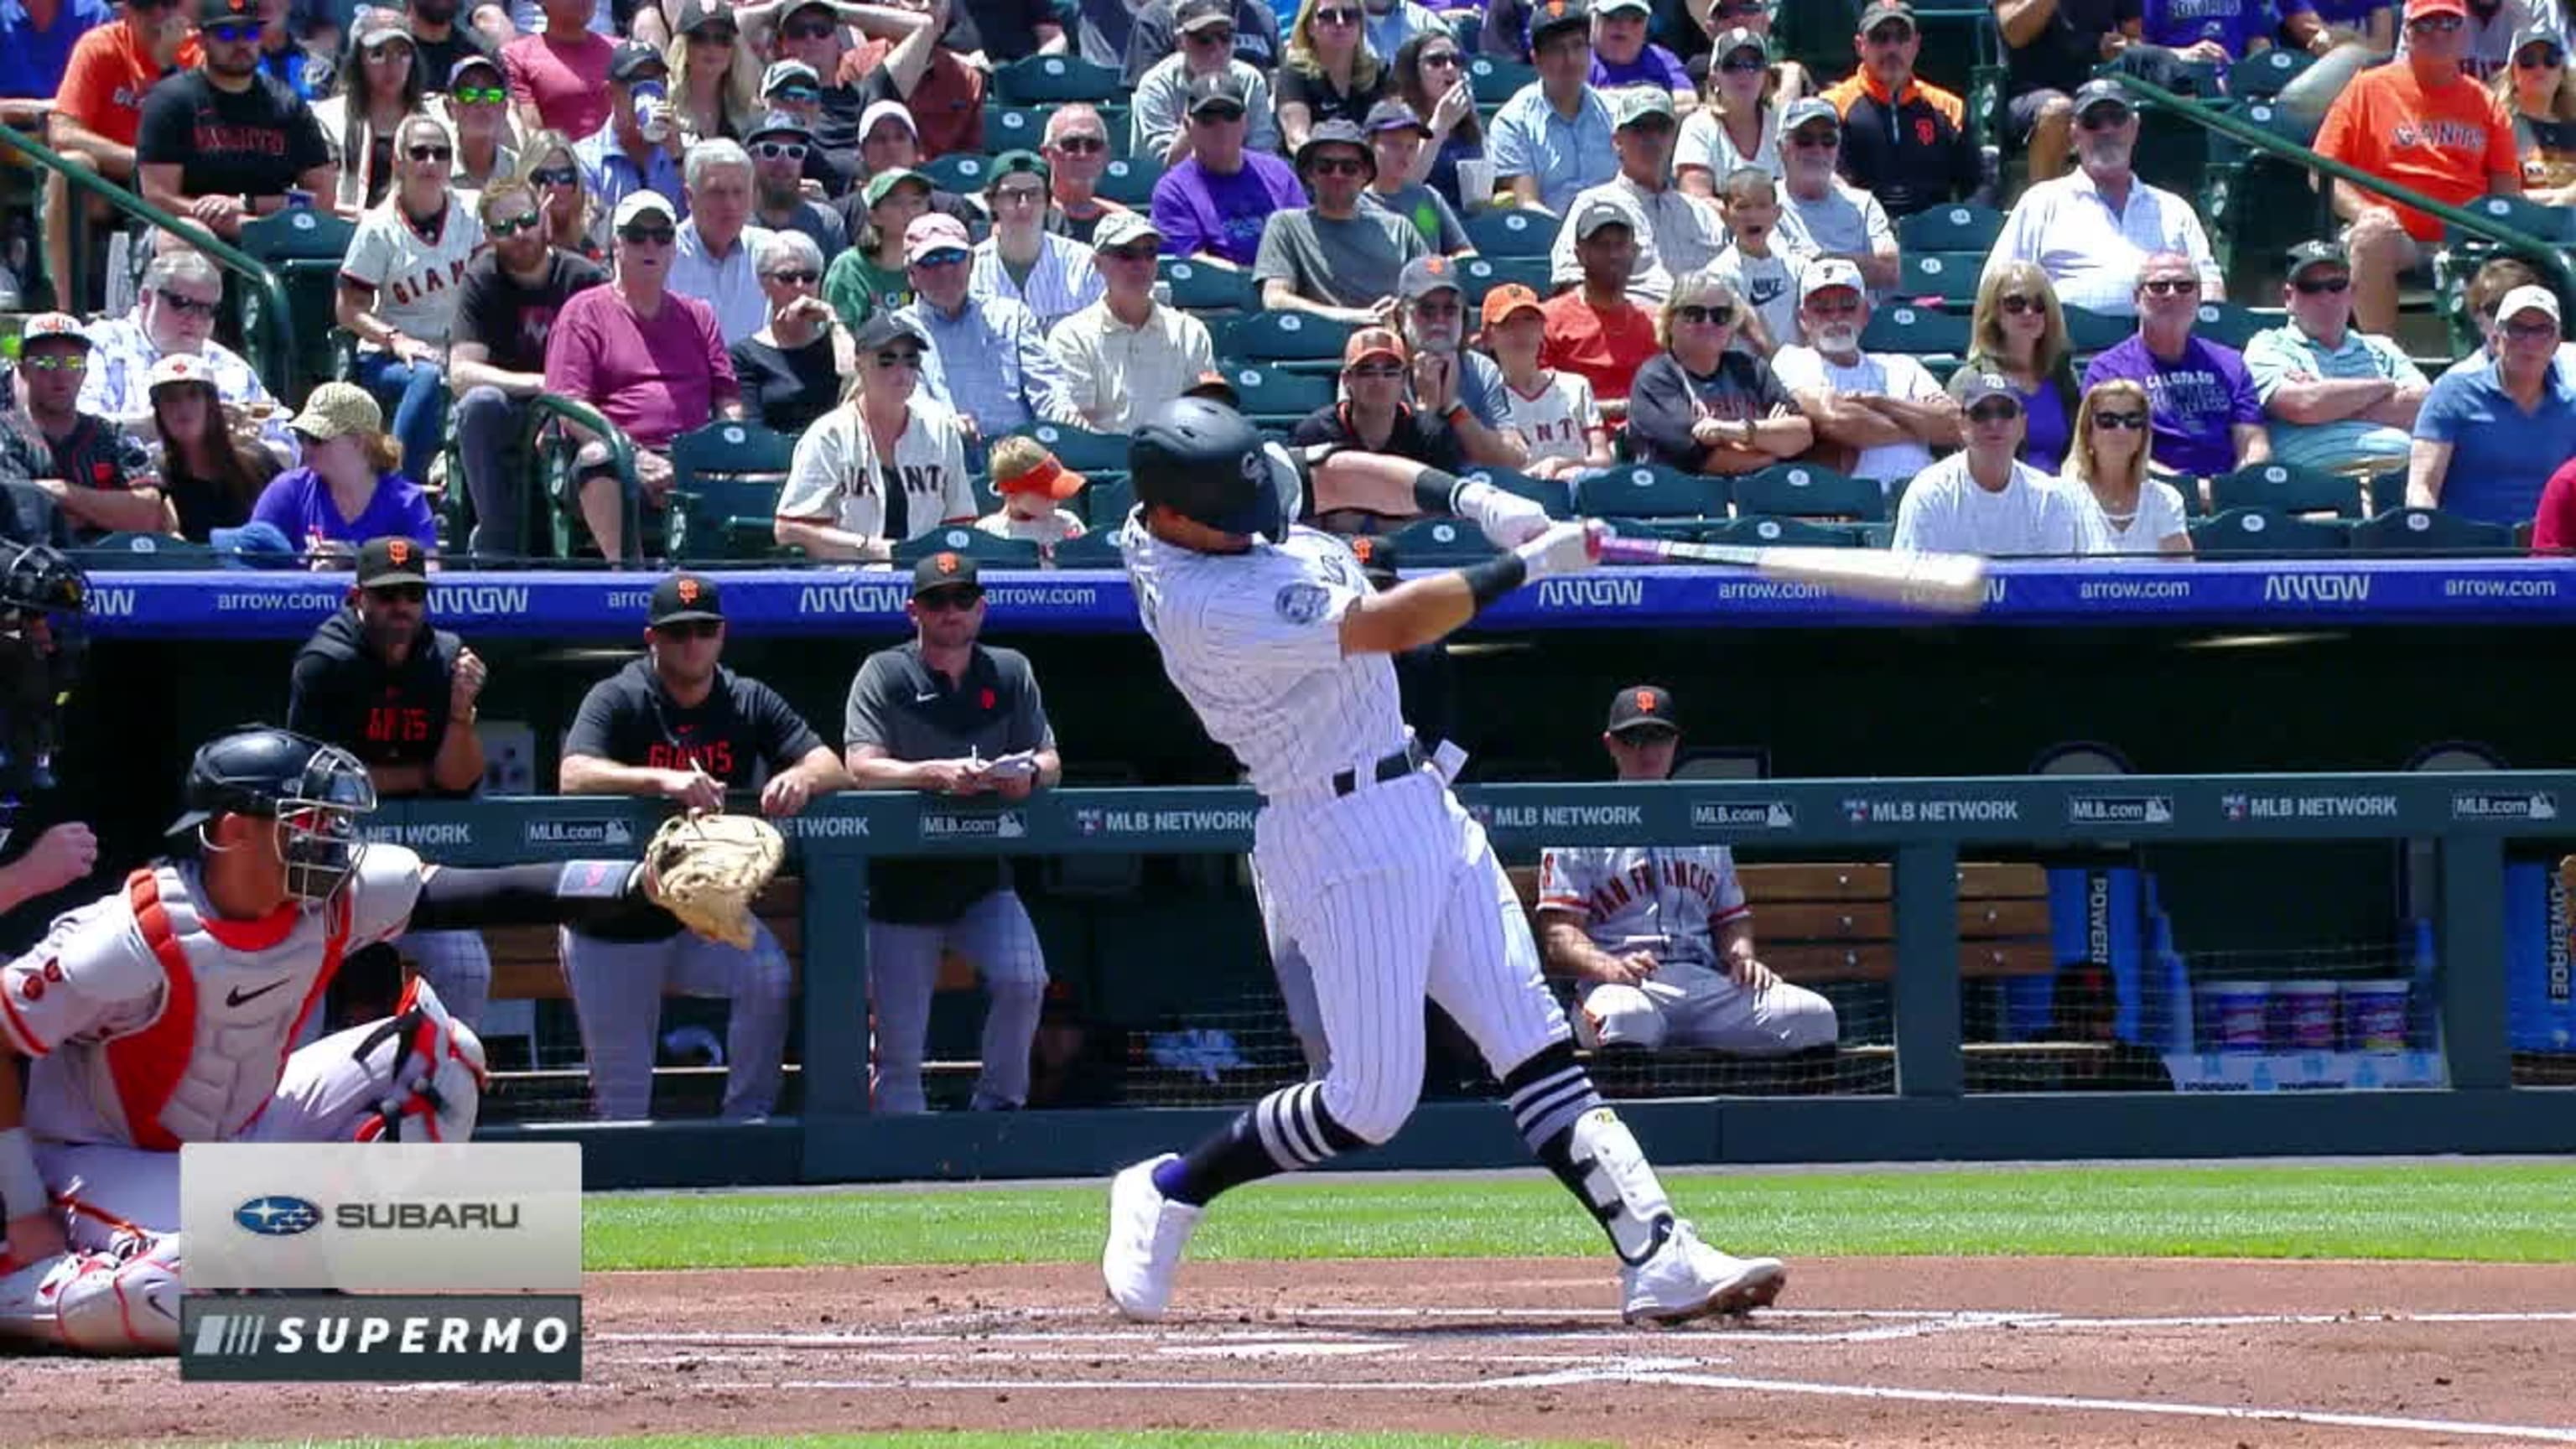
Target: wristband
{"type": "Point", "coordinates": [1495, 577]}
{"type": "Point", "coordinates": [22, 1188]}
{"type": "Point", "coordinates": [1435, 491]}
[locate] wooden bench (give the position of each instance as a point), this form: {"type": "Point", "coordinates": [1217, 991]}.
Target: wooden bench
{"type": "Point", "coordinates": [1836, 921]}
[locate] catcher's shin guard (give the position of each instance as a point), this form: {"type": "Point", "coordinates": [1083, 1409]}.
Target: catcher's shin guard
{"type": "Point", "coordinates": [427, 1073]}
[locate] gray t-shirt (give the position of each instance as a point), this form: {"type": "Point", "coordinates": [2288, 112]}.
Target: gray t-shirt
{"type": "Point", "coordinates": [1429, 212]}
{"type": "Point", "coordinates": [911, 709]}
{"type": "Point", "coordinates": [1353, 263]}
{"type": "Point", "coordinates": [1480, 387]}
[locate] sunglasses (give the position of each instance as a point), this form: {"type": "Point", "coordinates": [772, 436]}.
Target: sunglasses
{"type": "Point", "coordinates": [2017, 304]}
{"type": "Point", "coordinates": [2527, 331]}
{"type": "Point", "coordinates": [779, 150]}
{"type": "Point", "coordinates": [71, 362]}
{"type": "Point", "coordinates": [480, 95]}
{"type": "Point", "coordinates": [1020, 196]}
{"type": "Point", "coordinates": [556, 176]}
{"type": "Point", "coordinates": [796, 95]}
{"type": "Point", "coordinates": [659, 236]}
{"type": "Point", "coordinates": [796, 276]}
{"type": "Point", "coordinates": [811, 30]}
{"type": "Point", "coordinates": [1337, 17]}
{"type": "Point", "coordinates": [1715, 316]}
{"type": "Point", "coordinates": [2437, 24]}
{"type": "Point", "coordinates": [189, 306]}
{"type": "Point", "coordinates": [949, 258]}
{"type": "Point", "coordinates": [689, 629]}
{"type": "Point", "coordinates": [1994, 412]}
{"type": "Point", "coordinates": [399, 593]}
{"type": "Point", "coordinates": [1745, 64]}
{"type": "Point", "coordinates": [2121, 422]}
{"type": "Point", "coordinates": [1080, 145]}
{"type": "Point", "coordinates": [512, 226]}
{"type": "Point", "coordinates": [1442, 58]}
{"type": "Point", "coordinates": [1337, 166]}
{"type": "Point", "coordinates": [953, 597]}
{"type": "Point", "coordinates": [431, 153]}
{"type": "Point", "coordinates": [2170, 286]}
{"type": "Point", "coordinates": [893, 359]}
{"type": "Point", "coordinates": [2540, 60]}
{"type": "Point", "coordinates": [232, 32]}
{"type": "Point", "coordinates": [2104, 118]}
{"type": "Point", "coordinates": [1378, 371]}
{"type": "Point", "coordinates": [2308, 287]}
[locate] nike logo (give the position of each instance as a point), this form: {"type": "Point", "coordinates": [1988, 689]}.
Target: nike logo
{"type": "Point", "coordinates": [239, 997]}
{"type": "Point", "coordinates": [925, 698]}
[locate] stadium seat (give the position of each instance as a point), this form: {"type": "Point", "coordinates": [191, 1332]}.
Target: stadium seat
{"type": "Point", "coordinates": [2230, 325]}
{"type": "Point", "coordinates": [1480, 275]}
{"type": "Point", "coordinates": [1199, 287]}
{"type": "Point", "coordinates": [1290, 337]}
{"type": "Point", "coordinates": [725, 479]}
{"type": "Point", "coordinates": [1946, 278]}
{"type": "Point", "coordinates": [1553, 494]}
{"type": "Point", "coordinates": [1965, 228]}
{"type": "Point", "coordinates": [305, 248]}
{"type": "Point", "coordinates": [1273, 398]}
{"type": "Point", "coordinates": [2287, 488]}
{"type": "Point", "coordinates": [2266, 531]}
{"type": "Point", "coordinates": [2260, 76]}
{"type": "Point", "coordinates": [1013, 128]}
{"type": "Point", "coordinates": [1513, 231]}
{"type": "Point", "coordinates": [1496, 81]}
{"type": "Point", "coordinates": [1105, 503]}
{"type": "Point", "coordinates": [975, 543]}
{"type": "Point", "coordinates": [144, 551]}
{"type": "Point", "coordinates": [1129, 181]}
{"type": "Point", "coordinates": [960, 171]}
{"type": "Point", "coordinates": [1763, 531]}
{"type": "Point", "coordinates": [2088, 331]}
{"type": "Point", "coordinates": [1924, 332]}
{"type": "Point", "coordinates": [1808, 490]}
{"type": "Point", "coordinates": [2429, 530]}
{"type": "Point", "coordinates": [1042, 80]}
{"type": "Point", "coordinates": [1648, 490]}
{"type": "Point", "coordinates": [1080, 449]}
{"type": "Point", "coordinates": [1097, 549]}
{"type": "Point", "coordinates": [2553, 224]}
{"type": "Point", "coordinates": [1440, 543]}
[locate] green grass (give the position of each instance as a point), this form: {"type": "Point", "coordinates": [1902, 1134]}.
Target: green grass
{"type": "Point", "coordinates": [1169, 1439]}
{"type": "Point", "coordinates": [2503, 1213]}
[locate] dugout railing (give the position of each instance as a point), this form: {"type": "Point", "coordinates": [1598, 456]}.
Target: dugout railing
{"type": "Point", "coordinates": [2469, 822]}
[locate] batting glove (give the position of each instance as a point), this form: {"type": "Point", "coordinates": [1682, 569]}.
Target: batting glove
{"type": "Point", "coordinates": [1564, 548]}
{"type": "Point", "coordinates": [1508, 519]}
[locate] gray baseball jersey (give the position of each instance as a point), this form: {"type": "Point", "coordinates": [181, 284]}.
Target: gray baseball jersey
{"type": "Point", "coordinates": [1669, 900]}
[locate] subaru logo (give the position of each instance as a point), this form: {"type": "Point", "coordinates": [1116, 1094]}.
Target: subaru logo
{"type": "Point", "coordinates": [277, 1216]}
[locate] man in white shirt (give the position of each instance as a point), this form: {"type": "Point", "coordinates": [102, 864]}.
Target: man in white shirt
{"type": "Point", "coordinates": [1820, 213]}
{"type": "Point", "coordinates": [718, 249]}
{"type": "Point", "coordinates": [1884, 408]}
{"type": "Point", "coordinates": [1676, 233]}
{"type": "Point", "coordinates": [1984, 500]}
{"type": "Point", "coordinates": [2091, 228]}
{"type": "Point", "coordinates": [1126, 355]}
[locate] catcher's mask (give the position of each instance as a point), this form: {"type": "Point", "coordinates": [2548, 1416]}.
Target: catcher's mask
{"type": "Point", "coordinates": [315, 794]}
{"type": "Point", "coordinates": [42, 647]}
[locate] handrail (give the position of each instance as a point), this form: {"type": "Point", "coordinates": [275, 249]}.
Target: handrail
{"type": "Point", "coordinates": [621, 457]}
{"type": "Point", "coordinates": [277, 360]}
{"type": "Point", "coordinates": [2542, 254]}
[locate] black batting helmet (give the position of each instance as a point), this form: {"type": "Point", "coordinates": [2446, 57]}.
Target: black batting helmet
{"type": "Point", "coordinates": [1200, 459]}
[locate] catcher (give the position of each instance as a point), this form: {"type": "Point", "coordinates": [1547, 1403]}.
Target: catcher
{"type": "Point", "coordinates": [163, 1014]}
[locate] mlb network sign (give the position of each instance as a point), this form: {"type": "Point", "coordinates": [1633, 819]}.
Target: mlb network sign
{"type": "Point", "coordinates": [381, 1262]}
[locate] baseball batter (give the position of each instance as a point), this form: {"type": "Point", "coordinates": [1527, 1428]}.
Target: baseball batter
{"type": "Point", "coordinates": [1659, 938]}
{"type": "Point", "coordinates": [1282, 649]}
{"type": "Point", "coordinates": [165, 1013]}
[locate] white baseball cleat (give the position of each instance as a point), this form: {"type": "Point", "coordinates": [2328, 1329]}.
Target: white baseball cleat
{"type": "Point", "coordinates": [1687, 1279]}
{"type": "Point", "coordinates": [1147, 1234]}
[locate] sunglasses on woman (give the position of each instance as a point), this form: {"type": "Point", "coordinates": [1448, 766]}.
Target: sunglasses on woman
{"type": "Point", "coordinates": [2018, 304]}
{"type": "Point", "coordinates": [1718, 316]}
{"type": "Point", "coordinates": [1337, 17]}
{"type": "Point", "coordinates": [431, 153]}
{"type": "Point", "coordinates": [779, 150]}
{"type": "Point", "coordinates": [1994, 412]}
{"type": "Point", "coordinates": [480, 96]}
{"type": "Point", "coordinates": [1745, 63]}
{"type": "Point", "coordinates": [894, 359]}
{"type": "Point", "coordinates": [1444, 59]}
{"type": "Point", "coordinates": [2538, 59]}
{"type": "Point", "coordinates": [2120, 422]}
{"type": "Point", "coordinates": [555, 176]}
{"type": "Point", "coordinates": [796, 276]}
{"type": "Point", "coordinates": [659, 236]}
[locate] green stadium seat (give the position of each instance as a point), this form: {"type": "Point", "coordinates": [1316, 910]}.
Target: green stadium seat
{"type": "Point", "coordinates": [1809, 490]}
{"type": "Point", "coordinates": [1925, 332]}
{"type": "Point", "coordinates": [2266, 531]}
{"type": "Point", "coordinates": [725, 479]}
{"type": "Point", "coordinates": [960, 171]}
{"type": "Point", "coordinates": [1764, 531]}
{"type": "Point", "coordinates": [2230, 325]}
{"type": "Point", "coordinates": [2088, 331]}
{"type": "Point", "coordinates": [1097, 549]}
{"type": "Point", "coordinates": [1553, 494]}
{"type": "Point", "coordinates": [1946, 278]}
{"type": "Point", "coordinates": [1513, 231]}
{"type": "Point", "coordinates": [1273, 397]}
{"type": "Point", "coordinates": [305, 248]}
{"type": "Point", "coordinates": [144, 551]}
{"type": "Point", "coordinates": [975, 543]}
{"type": "Point", "coordinates": [1496, 81]}
{"type": "Point", "coordinates": [2429, 530]}
{"type": "Point", "coordinates": [1480, 275]}
{"type": "Point", "coordinates": [1053, 79]}
{"type": "Point", "coordinates": [1200, 287]}
{"type": "Point", "coordinates": [2553, 224]}
{"type": "Point", "coordinates": [1466, 27]}
{"type": "Point", "coordinates": [1440, 543]}
{"type": "Point", "coordinates": [1650, 491]}
{"type": "Point", "coordinates": [1129, 180]}
{"type": "Point", "coordinates": [2261, 76]}
{"type": "Point", "coordinates": [1013, 128]}
{"type": "Point", "coordinates": [1290, 337]}
{"type": "Point", "coordinates": [1961, 227]}
{"type": "Point", "coordinates": [2287, 488]}
{"type": "Point", "coordinates": [1079, 449]}
{"type": "Point", "coordinates": [1106, 502]}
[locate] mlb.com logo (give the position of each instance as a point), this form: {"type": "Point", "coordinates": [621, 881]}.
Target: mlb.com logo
{"type": "Point", "coordinates": [2120, 810]}
{"type": "Point", "coordinates": [2233, 807]}
{"type": "Point", "coordinates": [1752, 815]}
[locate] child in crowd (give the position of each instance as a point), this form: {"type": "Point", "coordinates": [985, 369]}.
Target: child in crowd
{"type": "Point", "coordinates": [1765, 279]}
{"type": "Point", "coordinates": [1032, 482]}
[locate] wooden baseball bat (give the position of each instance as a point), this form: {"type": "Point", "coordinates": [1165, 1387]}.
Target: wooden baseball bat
{"type": "Point", "coordinates": [1950, 583]}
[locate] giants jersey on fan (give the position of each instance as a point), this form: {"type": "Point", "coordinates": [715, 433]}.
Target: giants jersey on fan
{"type": "Point", "coordinates": [1254, 642]}
{"type": "Point", "coordinates": [152, 1023]}
{"type": "Point", "coordinates": [1667, 900]}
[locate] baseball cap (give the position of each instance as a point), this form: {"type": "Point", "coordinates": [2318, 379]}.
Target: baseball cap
{"type": "Point", "coordinates": [1394, 115]}
{"type": "Point", "coordinates": [684, 599]}
{"type": "Point", "coordinates": [933, 232]}
{"type": "Point", "coordinates": [691, 16]}
{"type": "Point", "coordinates": [636, 205]}
{"type": "Point", "coordinates": [1623, 7]}
{"type": "Point", "coordinates": [1124, 229]}
{"type": "Point", "coordinates": [1813, 108]}
{"type": "Point", "coordinates": [1371, 342]}
{"type": "Point", "coordinates": [2529, 299]}
{"type": "Point", "coordinates": [1632, 104]}
{"type": "Point", "coordinates": [337, 410]}
{"type": "Point", "coordinates": [1376, 553]}
{"type": "Point", "coordinates": [216, 12]}
{"type": "Point", "coordinates": [1014, 163]}
{"type": "Point", "coordinates": [2317, 253]}
{"type": "Point", "coordinates": [1598, 215]}
{"type": "Point", "coordinates": [1973, 388]}
{"type": "Point", "coordinates": [383, 561]}
{"type": "Point", "coordinates": [54, 327]}
{"type": "Point", "coordinates": [885, 181]}
{"type": "Point", "coordinates": [1214, 386]}
{"type": "Point", "coordinates": [1736, 38]}
{"type": "Point", "coordinates": [1425, 275]}
{"type": "Point", "coordinates": [1550, 16]}
{"type": "Point", "coordinates": [1826, 273]}
{"type": "Point", "coordinates": [1218, 92]}
{"type": "Point", "coordinates": [2418, 9]}
{"type": "Point", "coordinates": [1642, 706]}
{"type": "Point", "coordinates": [633, 59]}
{"type": "Point", "coordinates": [176, 368]}
{"type": "Point", "coordinates": [473, 60]}
{"type": "Point", "coordinates": [778, 123]}
{"type": "Point", "coordinates": [879, 110]}
{"type": "Point", "coordinates": [1508, 301]}
{"type": "Point", "coordinates": [375, 26]}
{"type": "Point", "coordinates": [1336, 133]}
{"type": "Point", "coordinates": [1199, 14]}
{"type": "Point", "coordinates": [788, 73]}
{"type": "Point", "coordinates": [1880, 11]}
{"type": "Point", "coordinates": [885, 328]}
{"type": "Point", "coordinates": [1023, 465]}
{"type": "Point", "coordinates": [2101, 90]}
{"type": "Point", "coordinates": [941, 570]}
{"type": "Point", "coordinates": [2534, 35]}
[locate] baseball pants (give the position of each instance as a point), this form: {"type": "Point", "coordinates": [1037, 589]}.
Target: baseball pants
{"type": "Point", "coordinates": [457, 965]}
{"type": "Point", "coordinates": [1685, 1004]}
{"type": "Point", "coordinates": [903, 974]}
{"type": "Point", "coordinates": [617, 989]}
{"type": "Point", "coordinates": [1395, 897]}
{"type": "Point", "coordinates": [1296, 982]}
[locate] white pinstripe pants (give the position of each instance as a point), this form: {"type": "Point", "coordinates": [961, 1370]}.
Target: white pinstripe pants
{"type": "Point", "coordinates": [1395, 896]}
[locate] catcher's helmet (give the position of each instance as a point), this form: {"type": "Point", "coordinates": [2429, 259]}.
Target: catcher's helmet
{"type": "Point", "coordinates": [1200, 459]}
{"type": "Point", "coordinates": [40, 579]}
{"type": "Point", "coordinates": [315, 792]}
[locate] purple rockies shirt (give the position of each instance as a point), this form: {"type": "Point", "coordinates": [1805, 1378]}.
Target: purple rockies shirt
{"type": "Point", "coordinates": [2194, 400]}
{"type": "Point", "coordinates": [1199, 211]}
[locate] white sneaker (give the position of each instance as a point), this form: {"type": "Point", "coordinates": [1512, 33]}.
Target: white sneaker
{"type": "Point", "coordinates": [1147, 1234]}
{"type": "Point", "coordinates": [1687, 1279]}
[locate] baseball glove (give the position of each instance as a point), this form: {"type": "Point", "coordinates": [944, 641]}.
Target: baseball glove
{"type": "Point", "coordinates": [705, 869]}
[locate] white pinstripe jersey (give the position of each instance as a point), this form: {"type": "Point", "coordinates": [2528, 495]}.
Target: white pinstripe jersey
{"type": "Point", "coordinates": [1254, 643]}
{"type": "Point", "coordinates": [1668, 900]}
{"type": "Point", "coordinates": [1063, 282]}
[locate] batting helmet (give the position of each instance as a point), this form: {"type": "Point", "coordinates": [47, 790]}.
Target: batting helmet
{"type": "Point", "coordinates": [315, 792]}
{"type": "Point", "coordinates": [1200, 459]}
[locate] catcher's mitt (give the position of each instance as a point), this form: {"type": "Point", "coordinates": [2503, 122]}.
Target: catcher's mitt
{"type": "Point", "coordinates": [705, 869]}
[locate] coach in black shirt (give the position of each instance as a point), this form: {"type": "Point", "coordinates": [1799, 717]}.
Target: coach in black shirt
{"type": "Point", "coordinates": [224, 142]}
